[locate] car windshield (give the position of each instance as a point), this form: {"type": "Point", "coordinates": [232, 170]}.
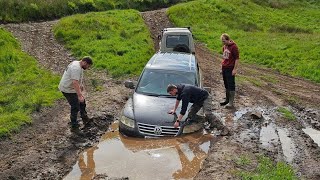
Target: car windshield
{"type": "Point", "coordinates": [155, 82]}
{"type": "Point", "coordinates": [174, 40]}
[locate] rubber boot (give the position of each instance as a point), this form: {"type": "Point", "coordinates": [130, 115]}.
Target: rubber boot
{"type": "Point", "coordinates": [215, 122]}
{"type": "Point", "coordinates": [74, 122]}
{"type": "Point", "coordinates": [227, 99]}
{"type": "Point", "coordinates": [230, 105]}
{"type": "Point", "coordinates": [86, 120]}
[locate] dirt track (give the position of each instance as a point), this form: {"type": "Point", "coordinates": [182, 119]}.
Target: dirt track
{"type": "Point", "coordinates": [47, 149]}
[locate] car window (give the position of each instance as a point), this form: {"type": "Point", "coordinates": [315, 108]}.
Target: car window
{"type": "Point", "coordinates": [155, 82]}
{"type": "Point", "coordinates": [173, 40]}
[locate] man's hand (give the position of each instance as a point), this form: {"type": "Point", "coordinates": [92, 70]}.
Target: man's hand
{"type": "Point", "coordinates": [172, 111]}
{"type": "Point", "coordinates": [234, 72]}
{"type": "Point", "coordinates": [176, 124]}
{"type": "Point", "coordinates": [81, 98]}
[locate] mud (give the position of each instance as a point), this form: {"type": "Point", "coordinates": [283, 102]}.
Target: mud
{"type": "Point", "coordinates": [47, 149]}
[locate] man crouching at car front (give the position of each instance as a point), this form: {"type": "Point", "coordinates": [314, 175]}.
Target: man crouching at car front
{"type": "Point", "coordinates": [199, 97]}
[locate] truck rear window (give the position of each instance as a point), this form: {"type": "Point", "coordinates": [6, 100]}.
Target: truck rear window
{"type": "Point", "coordinates": [173, 40]}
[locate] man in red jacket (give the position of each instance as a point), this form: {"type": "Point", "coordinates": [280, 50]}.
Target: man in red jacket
{"type": "Point", "coordinates": [229, 68]}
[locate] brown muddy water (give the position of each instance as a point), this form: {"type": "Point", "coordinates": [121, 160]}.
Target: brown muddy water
{"type": "Point", "coordinates": [138, 158]}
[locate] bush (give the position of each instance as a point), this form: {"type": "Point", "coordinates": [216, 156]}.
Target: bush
{"type": "Point", "coordinates": [26, 10]}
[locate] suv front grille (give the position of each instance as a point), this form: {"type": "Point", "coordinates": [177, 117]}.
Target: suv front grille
{"type": "Point", "coordinates": [153, 130]}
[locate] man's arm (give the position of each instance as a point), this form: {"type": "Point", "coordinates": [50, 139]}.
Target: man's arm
{"type": "Point", "coordinates": [175, 107]}
{"type": "Point", "coordinates": [76, 86]}
{"type": "Point", "coordinates": [234, 71]}
{"type": "Point", "coordinates": [235, 52]}
{"type": "Point", "coordinates": [180, 117]}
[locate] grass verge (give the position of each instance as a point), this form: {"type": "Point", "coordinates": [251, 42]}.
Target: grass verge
{"type": "Point", "coordinates": [25, 87]}
{"type": "Point", "coordinates": [287, 113]}
{"type": "Point", "coordinates": [268, 34]}
{"type": "Point", "coordinates": [117, 40]}
{"type": "Point", "coordinates": [264, 169]}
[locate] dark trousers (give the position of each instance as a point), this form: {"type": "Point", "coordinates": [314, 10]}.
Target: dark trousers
{"type": "Point", "coordinates": [207, 107]}
{"type": "Point", "coordinates": [228, 79]}
{"type": "Point", "coordinates": [76, 106]}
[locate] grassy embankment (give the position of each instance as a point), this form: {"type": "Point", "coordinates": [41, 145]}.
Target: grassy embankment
{"type": "Point", "coordinates": [117, 40]}
{"type": "Point", "coordinates": [26, 10]}
{"type": "Point", "coordinates": [25, 87]}
{"type": "Point", "coordinates": [260, 167]}
{"type": "Point", "coordinates": [279, 34]}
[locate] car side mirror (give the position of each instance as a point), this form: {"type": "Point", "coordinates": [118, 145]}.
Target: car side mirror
{"type": "Point", "coordinates": [129, 84]}
{"type": "Point", "coordinates": [159, 37]}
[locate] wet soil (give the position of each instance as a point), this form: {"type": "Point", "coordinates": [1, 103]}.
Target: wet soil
{"type": "Point", "coordinates": [47, 149]}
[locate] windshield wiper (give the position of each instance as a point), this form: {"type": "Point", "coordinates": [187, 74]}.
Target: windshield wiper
{"type": "Point", "coordinates": [157, 95]}
{"type": "Point", "coordinates": [166, 96]}
{"type": "Point", "coordinates": [149, 94]}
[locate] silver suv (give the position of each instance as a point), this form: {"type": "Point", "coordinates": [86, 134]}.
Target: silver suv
{"type": "Point", "coordinates": [145, 113]}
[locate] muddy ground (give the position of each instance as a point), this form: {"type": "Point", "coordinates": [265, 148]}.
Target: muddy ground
{"type": "Point", "coordinates": [47, 149]}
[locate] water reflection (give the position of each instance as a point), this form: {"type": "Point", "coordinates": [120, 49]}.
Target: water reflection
{"type": "Point", "coordinates": [137, 158]}
{"type": "Point", "coordinates": [87, 168]}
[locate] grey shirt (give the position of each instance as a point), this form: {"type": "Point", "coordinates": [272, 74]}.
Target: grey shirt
{"type": "Point", "coordinates": [73, 72]}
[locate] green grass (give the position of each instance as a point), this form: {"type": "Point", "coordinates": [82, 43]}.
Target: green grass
{"type": "Point", "coordinates": [117, 40]}
{"type": "Point", "coordinates": [25, 87]}
{"type": "Point", "coordinates": [267, 169]}
{"type": "Point", "coordinates": [26, 10]}
{"type": "Point", "coordinates": [287, 113]}
{"type": "Point", "coordinates": [279, 34]}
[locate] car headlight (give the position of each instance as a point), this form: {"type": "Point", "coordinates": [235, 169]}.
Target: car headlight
{"type": "Point", "coordinates": [127, 121]}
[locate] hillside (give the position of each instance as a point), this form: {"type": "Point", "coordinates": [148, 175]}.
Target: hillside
{"type": "Point", "coordinates": [275, 35]}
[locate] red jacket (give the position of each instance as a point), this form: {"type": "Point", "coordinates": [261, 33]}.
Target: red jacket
{"type": "Point", "coordinates": [230, 54]}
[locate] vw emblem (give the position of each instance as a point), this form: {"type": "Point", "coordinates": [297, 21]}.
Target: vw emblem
{"type": "Point", "coordinates": [157, 130]}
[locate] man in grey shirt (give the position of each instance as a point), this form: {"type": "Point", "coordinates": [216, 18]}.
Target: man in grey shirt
{"type": "Point", "coordinates": [71, 86]}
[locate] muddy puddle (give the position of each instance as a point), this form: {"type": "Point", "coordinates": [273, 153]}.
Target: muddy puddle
{"type": "Point", "coordinates": [314, 135]}
{"type": "Point", "coordinates": [287, 144]}
{"type": "Point", "coordinates": [271, 137]}
{"type": "Point", "coordinates": [118, 156]}
{"type": "Point", "coordinates": [268, 136]}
